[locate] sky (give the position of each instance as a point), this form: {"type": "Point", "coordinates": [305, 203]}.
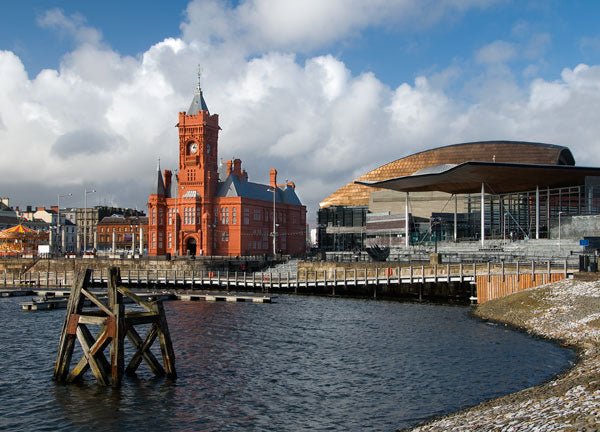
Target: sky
{"type": "Point", "coordinates": [324, 91]}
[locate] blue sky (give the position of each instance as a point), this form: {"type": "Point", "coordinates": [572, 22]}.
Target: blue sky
{"type": "Point", "coordinates": [321, 90]}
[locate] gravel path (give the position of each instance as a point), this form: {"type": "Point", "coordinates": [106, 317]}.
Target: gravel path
{"type": "Point", "coordinates": [567, 311]}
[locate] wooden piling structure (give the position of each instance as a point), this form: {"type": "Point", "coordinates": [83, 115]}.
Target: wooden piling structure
{"type": "Point", "coordinates": [115, 325]}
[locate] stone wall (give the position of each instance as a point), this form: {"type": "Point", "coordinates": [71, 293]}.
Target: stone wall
{"type": "Point", "coordinates": [577, 227]}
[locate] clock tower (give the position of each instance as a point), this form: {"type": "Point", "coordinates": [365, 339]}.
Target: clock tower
{"type": "Point", "coordinates": [198, 175]}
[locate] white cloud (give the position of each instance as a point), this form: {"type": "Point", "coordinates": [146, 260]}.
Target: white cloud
{"type": "Point", "coordinates": [263, 25]}
{"type": "Point", "coordinates": [496, 52]}
{"type": "Point", "coordinates": [102, 119]}
{"type": "Point", "coordinates": [72, 26]}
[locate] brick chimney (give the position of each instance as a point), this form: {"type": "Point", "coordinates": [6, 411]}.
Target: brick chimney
{"type": "Point", "coordinates": [229, 168]}
{"type": "Point", "coordinates": [273, 176]}
{"type": "Point", "coordinates": [237, 168]}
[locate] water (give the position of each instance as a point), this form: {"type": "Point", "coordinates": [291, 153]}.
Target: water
{"type": "Point", "coordinates": [301, 364]}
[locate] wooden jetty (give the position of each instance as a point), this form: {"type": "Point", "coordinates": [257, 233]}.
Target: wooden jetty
{"type": "Point", "coordinates": [491, 280]}
{"type": "Point", "coordinates": [115, 324]}
{"type": "Point", "coordinates": [224, 297]}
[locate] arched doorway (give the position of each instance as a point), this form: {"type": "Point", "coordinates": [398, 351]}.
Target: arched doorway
{"type": "Point", "coordinates": [190, 246]}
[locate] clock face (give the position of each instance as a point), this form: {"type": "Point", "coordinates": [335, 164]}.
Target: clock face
{"type": "Point", "coordinates": [192, 147]}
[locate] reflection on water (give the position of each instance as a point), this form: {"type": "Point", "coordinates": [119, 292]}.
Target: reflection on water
{"type": "Point", "coordinates": [303, 363]}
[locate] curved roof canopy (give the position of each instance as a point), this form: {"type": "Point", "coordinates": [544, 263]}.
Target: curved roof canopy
{"type": "Point", "coordinates": [357, 192]}
{"type": "Point", "coordinates": [498, 178]}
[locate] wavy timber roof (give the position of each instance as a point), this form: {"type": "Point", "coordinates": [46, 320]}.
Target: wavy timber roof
{"type": "Point", "coordinates": [354, 194]}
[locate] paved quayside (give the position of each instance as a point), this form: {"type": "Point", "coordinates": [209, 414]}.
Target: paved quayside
{"type": "Point", "coordinates": [567, 311]}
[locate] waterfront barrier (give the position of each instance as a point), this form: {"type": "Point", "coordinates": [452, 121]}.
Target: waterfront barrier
{"type": "Point", "coordinates": [492, 280]}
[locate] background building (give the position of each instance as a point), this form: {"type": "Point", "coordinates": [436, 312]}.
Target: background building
{"type": "Point", "coordinates": [528, 188]}
{"type": "Point", "coordinates": [122, 234]}
{"type": "Point", "coordinates": [87, 220]}
{"type": "Point", "coordinates": [196, 212]}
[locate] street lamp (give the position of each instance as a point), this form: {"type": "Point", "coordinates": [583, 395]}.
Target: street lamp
{"type": "Point", "coordinates": [85, 194]}
{"type": "Point", "coordinates": [435, 221]}
{"type": "Point", "coordinates": [559, 214]}
{"type": "Point", "coordinates": [504, 228]}
{"type": "Point", "coordinates": [274, 190]}
{"type": "Point", "coordinates": [58, 236]}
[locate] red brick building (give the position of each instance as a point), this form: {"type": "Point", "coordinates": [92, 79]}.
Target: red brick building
{"type": "Point", "coordinates": [198, 213]}
{"type": "Point", "coordinates": [123, 233]}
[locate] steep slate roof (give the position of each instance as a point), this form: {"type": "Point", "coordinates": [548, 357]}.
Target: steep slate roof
{"type": "Point", "coordinates": [232, 186]}
{"type": "Point", "coordinates": [198, 103]}
{"type": "Point", "coordinates": [160, 184]}
{"type": "Point", "coordinates": [354, 194]}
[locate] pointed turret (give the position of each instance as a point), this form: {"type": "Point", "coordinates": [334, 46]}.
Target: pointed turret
{"type": "Point", "coordinates": [160, 185]}
{"type": "Point", "coordinates": [198, 103]}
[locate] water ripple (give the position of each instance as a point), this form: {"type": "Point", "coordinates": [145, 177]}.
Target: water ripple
{"type": "Point", "coordinates": [301, 364]}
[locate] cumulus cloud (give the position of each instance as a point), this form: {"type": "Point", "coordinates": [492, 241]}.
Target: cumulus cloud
{"type": "Point", "coordinates": [101, 119]}
{"type": "Point", "coordinates": [263, 25]}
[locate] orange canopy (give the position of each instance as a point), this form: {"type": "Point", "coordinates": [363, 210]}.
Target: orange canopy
{"type": "Point", "coordinates": [18, 229]}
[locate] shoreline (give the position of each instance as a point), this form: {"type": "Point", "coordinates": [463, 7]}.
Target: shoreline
{"type": "Point", "coordinates": [565, 312]}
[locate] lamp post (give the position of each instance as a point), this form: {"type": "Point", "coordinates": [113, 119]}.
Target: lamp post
{"type": "Point", "coordinates": [274, 233]}
{"type": "Point", "coordinates": [559, 214]}
{"type": "Point", "coordinates": [504, 228]}
{"type": "Point", "coordinates": [435, 221]}
{"type": "Point", "coordinates": [58, 236]}
{"type": "Point", "coordinates": [85, 194]}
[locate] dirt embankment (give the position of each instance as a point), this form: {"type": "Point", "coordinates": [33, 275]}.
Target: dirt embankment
{"type": "Point", "coordinates": [569, 312]}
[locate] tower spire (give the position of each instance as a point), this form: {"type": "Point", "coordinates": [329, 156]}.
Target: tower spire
{"type": "Point", "coordinates": [160, 184]}
{"type": "Point", "coordinates": [198, 103]}
{"type": "Point", "coordinates": [198, 87]}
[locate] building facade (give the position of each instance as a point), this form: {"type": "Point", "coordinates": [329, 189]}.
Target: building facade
{"type": "Point", "coordinates": [525, 201]}
{"type": "Point", "coordinates": [195, 212]}
{"type": "Point", "coordinates": [122, 234]}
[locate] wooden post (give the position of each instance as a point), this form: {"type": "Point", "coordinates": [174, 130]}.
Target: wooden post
{"type": "Point", "coordinates": [334, 280]}
{"type": "Point", "coordinates": [565, 270]}
{"type": "Point", "coordinates": [117, 351]}
{"type": "Point", "coordinates": [518, 272]}
{"type": "Point", "coordinates": [69, 331]}
{"type": "Point", "coordinates": [533, 270]}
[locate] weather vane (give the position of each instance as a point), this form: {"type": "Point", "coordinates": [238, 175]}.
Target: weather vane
{"type": "Point", "coordinates": [199, 89]}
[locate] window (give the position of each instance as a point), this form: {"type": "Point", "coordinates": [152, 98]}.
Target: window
{"type": "Point", "coordinates": [154, 240]}
{"type": "Point", "coordinates": [234, 216]}
{"type": "Point", "coordinates": [257, 214]}
{"type": "Point", "coordinates": [224, 237]}
{"type": "Point", "coordinates": [170, 240]}
{"type": "Point", "coordinates": [225, 215]}
{"type": "Point", "coordinates": [246, 216]}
